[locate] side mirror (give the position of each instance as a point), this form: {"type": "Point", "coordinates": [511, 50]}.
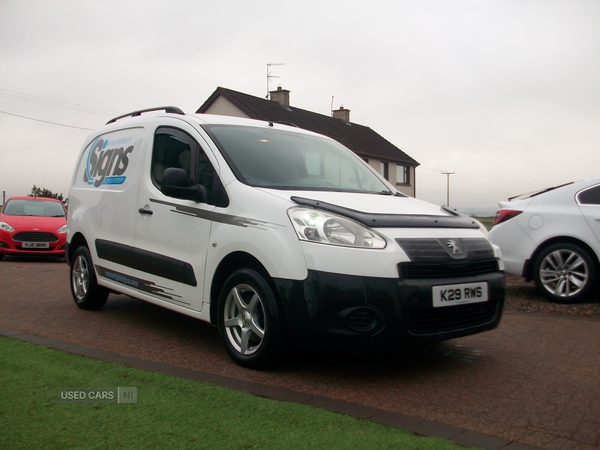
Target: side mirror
{"type": "Point", "coordinates": [175, 183]}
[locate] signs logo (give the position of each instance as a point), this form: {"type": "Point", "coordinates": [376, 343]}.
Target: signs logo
{"type": "Point", "coordinates": [107, 162]}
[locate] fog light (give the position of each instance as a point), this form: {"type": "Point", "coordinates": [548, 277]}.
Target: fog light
{"type": "Point", "coordinates": [361, 319]}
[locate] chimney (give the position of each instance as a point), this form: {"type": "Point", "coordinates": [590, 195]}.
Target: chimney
{"type": "Point", "coordinates": [280, 96]}
{"type": "Point", "coordinates": [343, 114]}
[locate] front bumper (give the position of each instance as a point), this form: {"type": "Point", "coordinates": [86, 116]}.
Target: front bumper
{"type": "Point", "coordinates": [10, 247]}
{"type": "Point", "coordinates": [342, 309]}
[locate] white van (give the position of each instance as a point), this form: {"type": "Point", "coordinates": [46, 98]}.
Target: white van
{"type": "Point", "coordinates": [270, 232]}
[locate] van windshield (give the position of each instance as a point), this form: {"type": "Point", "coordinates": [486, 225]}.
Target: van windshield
{"type": "Point", "coordinates": [280, 159]}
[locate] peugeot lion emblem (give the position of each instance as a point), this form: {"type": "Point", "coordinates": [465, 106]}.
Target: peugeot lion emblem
{"type": "Point", "coordinates": [454, 246]}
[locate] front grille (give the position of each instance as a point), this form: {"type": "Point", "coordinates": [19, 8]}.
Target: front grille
{"type": "Point", "coordinates": [418, 271]}
{"type": "Point", "coordinates": [446, 250]}
{"type": "Point", "coordinates": [34, 236]}
{"type": "Point", "coordinates": [449, 318]}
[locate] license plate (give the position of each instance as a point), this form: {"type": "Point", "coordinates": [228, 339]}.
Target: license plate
{"type": "Point", "coordinates": [35, 245]}
{"type": "Point", "coordinates": [458, 294]}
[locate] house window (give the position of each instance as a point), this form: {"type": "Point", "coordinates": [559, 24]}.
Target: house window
{"type": "Point", "coordinates": [385, 170]}
{"type": "Point", "coordinates": [402, 174]}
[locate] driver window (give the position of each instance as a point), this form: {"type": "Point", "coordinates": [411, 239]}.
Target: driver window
{"type": "Point", "coordinates": [172, 148]}
{"type": "Point", "coordinates": [175, 148]}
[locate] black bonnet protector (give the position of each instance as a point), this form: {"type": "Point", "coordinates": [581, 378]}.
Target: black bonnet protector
{"type": "Point", "coordinates": [451, 220]}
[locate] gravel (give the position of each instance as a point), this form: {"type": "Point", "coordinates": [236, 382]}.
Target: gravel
{"type": "Point", "coordinates": [522, 296]}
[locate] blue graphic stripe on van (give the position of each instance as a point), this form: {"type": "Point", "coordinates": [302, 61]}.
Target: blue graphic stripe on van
{"type": "Point", "coordinates": [111, 180]}
{"type": "Point", "coordinates": [138, 283]}
{"type": "Point", "coordinates": [218, 217]}
{"type": "Point", "coordinates": [114, 180]}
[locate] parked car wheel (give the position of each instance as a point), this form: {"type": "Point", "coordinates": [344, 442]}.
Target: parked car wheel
{"type": "Point", "coordinates": [249, 320]}
{"type": "Point", "coordinates": [565, 273]}
{"type": "Point", "coordinates": [84, 288]}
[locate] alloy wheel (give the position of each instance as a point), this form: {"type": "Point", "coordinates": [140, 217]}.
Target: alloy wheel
{"type": "Point", "coordinates": [564, 273]}
{"type": "Point", "coordinates": [244, 319]}
{"type": "Point", "coordinates": [80, 277]}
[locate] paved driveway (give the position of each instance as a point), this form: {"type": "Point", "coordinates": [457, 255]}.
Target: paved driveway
{"type": "Point", "coordinates": [535, 380]}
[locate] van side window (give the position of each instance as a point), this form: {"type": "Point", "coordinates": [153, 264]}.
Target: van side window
{"type": "Point", "coordinates": [175, 148]}
{"type": "Point", "coordinates": [172, 148]}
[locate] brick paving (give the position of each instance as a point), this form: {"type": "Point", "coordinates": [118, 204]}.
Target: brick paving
{"type": "Point", "coordinates": [534, 381]}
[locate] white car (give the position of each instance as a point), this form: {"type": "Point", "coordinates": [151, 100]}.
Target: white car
{"type": "Point", "coordinates": [553, 237]}
{"type": "Point", "coordinates": [268, 231]}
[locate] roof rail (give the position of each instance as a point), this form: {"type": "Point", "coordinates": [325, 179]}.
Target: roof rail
{"type": "Point", "coordinates": [168, 109]}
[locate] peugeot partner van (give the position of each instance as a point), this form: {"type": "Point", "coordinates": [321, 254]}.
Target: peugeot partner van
{"type": "Point", "coordinates": [276, 235]}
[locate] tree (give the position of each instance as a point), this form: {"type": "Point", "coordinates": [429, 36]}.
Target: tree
{"type": "Point", "coordinates": [43, 192]}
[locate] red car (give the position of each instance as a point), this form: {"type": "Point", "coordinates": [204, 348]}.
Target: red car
{"type": "Point", "coordinates": [33, 226]}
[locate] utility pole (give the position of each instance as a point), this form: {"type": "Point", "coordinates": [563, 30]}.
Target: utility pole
{"type": "Point", "coordinates": [447, 187]}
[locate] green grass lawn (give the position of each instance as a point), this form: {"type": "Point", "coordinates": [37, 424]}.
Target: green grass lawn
{"type": "Point", "coordinates": [486, 221]}
{"type": "Point", "coordinates": [170, 412]}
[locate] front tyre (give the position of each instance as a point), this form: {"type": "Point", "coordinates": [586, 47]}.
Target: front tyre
{"type": "Point", "coordinates": [85, 290]}
{"type": "Point", "coordinates": [249, 320]}
{"type": "Point", "coordinates": [565, 273]}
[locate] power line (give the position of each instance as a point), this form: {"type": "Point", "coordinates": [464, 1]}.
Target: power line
{"type": "Point", "coordinates": [56, 103]}
{"type": "Point", "coordinates": [46, 121]}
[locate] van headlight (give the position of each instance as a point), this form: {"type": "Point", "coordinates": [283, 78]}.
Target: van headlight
{"type": "Point", "coordinates": [313, 225]}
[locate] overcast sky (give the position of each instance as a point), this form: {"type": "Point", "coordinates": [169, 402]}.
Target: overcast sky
{"type": "Point", "coordinates": [506, 94]}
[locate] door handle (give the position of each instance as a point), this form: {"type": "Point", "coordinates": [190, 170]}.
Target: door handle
{"type": "Point", "coordinates": [145, 211]}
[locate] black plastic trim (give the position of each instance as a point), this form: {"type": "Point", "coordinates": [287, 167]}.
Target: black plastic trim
{"type": "Point", "coordinates": [317, 309]}
{"type": "Point", "coordinates": [67, 255]}
{"type": "Point", "coordinates": [145, 261]}
{"type": "Point", "coordinates": [452, 220]}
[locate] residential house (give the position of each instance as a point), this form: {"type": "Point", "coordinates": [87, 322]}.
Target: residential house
{"type": "Point", "coordinates": [395, 165]}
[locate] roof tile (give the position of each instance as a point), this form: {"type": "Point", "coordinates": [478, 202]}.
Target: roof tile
{"type": "Point", "coordinates": [361, 140]}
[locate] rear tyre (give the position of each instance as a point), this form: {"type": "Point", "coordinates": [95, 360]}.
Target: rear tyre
{"type": "Point", "coordinates": [565, 273]}
{"type": "Point", "coordinates": [84, 288]}
{"type": "Point", "coordinates": [249, 320]}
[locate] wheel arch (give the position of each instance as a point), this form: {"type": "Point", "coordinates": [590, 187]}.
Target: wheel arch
{"type": "Point", "coordinates": [528, 269]}
{"type": "Point", "coordinates": [76, 241]}
{"type": "Point", "coordinates": [229, 264]}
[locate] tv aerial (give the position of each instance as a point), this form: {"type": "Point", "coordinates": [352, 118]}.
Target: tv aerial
{"type": "Point", "coordinates": [269, 76]}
